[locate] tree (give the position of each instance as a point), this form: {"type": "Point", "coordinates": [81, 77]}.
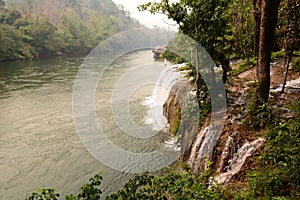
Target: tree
{"type": "Point", "coordinates": [289, 26]}
{"type": "Point", "coordinates": [257, 18]}
{"type": "Point", "coordinates": [13, 45]}
{"type": "Point", "coordinates": [89, 191]}
{"type": "Point", "coordinates": [269, 17]}
{"type": "Point", "coordinates": [30, 4]}
{"type": "Point", "coordinates": [43, 35]}
{"type": "Point", "coordinates": [2, 3]}
{"type": "Point", "coordinates": [242, 26]}
{"type": "Point", "coordinates": [202, 20]}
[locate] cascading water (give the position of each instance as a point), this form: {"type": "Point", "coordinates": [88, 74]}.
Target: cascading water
{"type": "Point", "coordinates": [173, 100]}
{"type": "Point", "coordinates": [168, 77]}
{"type": "Point", "coordinates": [238, 159]}
{"type": "Point", "coordinates": [203, 146]}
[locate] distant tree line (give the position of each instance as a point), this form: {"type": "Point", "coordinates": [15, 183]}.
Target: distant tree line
{"type": "Point", "coordinates": [32, 29]}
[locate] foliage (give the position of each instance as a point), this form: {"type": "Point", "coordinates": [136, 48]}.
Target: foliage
{"type": "Point", "coordinates": [277, 54]}
{"type": "Point", "coordinates": [279, 174]}
{"type": "Point", "coordinates": [14, 45]}
{"type": "Point", "coordinates": [43, 194]}
{"type": "Point", "coordinates": [170, 186]}
{"type": "Point", "coordinates": [242, 26]}
{"type": "Point", "coordinates": [31, 29]}
{"type": "Point", "coordinates": [296, 64]}
{"type": "Point", "coordinates": [89, 191]}
{"type": "Point", "coordinates": [259, 114]}
{"type": "Point", "coordinates": [172, 57]}
{"type": "Point", "coordinates": [244, 66]}
{"type": "Point", "coordinates": [176, 123]}
{"type": "Point", "coordinates": [289, 26]}
{"type": "Point", "coordinates": [295, 107]}
{"type": "Point", "coordinates": [204, 22]}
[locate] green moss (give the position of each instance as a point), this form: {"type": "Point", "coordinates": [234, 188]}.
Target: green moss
{"type": "Point", "coordinates": [175, 127]}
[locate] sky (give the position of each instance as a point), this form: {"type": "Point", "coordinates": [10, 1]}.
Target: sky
{"type": "Point", "coordinates": [145, 17]}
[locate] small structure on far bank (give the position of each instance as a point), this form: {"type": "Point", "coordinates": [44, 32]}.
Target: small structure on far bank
{"type": "Point", "coordinates": [159, 51]}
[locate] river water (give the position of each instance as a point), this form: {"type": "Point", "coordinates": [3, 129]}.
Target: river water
{"type": "Point", "coordinates": [39, 144]}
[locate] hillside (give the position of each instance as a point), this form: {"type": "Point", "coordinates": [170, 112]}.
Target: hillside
{"type": "Point", "coordinates": [34, 28]}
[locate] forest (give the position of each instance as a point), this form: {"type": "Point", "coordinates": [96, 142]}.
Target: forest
{"type": "Point", "coordinates": [263, 36]}
{"type": "Point", "coordinates": [32, 29]}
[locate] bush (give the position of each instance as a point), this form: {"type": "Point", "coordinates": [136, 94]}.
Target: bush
{"type": "Point", "coordinates": [43, 194]}
{"type": "Point", "coordinates": [244, 66]}
{"type": "Point", "coordinates": [279, 174]}
{"type": "Point", "coordinates": [296, 64]}
{"type": "Point", "coordinates": [259, 115]}
{"type": "Point", "coordinates": [283, 150]}
{"type": "Point", "coordinates": [277, 54]}
{"type": "Point", "coordinates": [184, 186]}
{"type": "Point", "coordinates": [89, 191]}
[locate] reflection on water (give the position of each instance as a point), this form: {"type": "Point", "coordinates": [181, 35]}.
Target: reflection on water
{"type": "Point", "coordinates": [39, 145]}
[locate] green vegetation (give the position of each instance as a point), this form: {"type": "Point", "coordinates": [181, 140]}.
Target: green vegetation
{"type": "Point", "coordinates": [182, 185]}
{"type": "Point", "coordinates": [296, 64]}
{"type": "Point", "coordinates": [176, 124]}
{"type": "Point", "coordinates": [244, 66]}
{"type": "Point", "coordinates": [29, 29]}
{"type": "Point", "coordinates": [89, 191]}
{"type": "Point", "coordinates": [259, 115]}
{"type": "Point", "coordinates": [277, 54]}
{"type": "Point", "coordinates": [278, 174]}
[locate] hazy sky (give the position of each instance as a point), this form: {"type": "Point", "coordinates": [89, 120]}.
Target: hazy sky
{"type": "Point", "coordinates": [145, 17]}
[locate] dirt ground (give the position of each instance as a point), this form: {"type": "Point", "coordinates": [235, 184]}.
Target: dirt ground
{"type": "Point", "coordinates": [277, 72]}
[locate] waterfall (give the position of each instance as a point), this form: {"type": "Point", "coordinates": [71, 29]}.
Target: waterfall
{"type": "Point", "coordinates": [203, 146]}
{"type": "Point", "coordinates": [235, 164]}
{"type": "Point", "coordinates": [167, 78]}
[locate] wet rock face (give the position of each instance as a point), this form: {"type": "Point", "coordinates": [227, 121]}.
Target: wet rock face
{"type": "Point", "coordinates": [183, 123]}
{"type": "Point", "coordinates": [172, 109]}
{"type": "Point", "coordinates": [220, 142]}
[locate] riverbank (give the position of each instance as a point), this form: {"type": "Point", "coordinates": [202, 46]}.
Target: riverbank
{"type": "Point", "coordinates": [239, 145]}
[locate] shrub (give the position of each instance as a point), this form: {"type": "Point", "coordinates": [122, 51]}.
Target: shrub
{"type": "Point", "coordinates": [283, 150]}
{"type": "Point", "coordinates": [43, 194]}
{"type": "Point", "coordinates": [296, 64]}
{"type": "Point", "coordinates": [184, 186]}
{"type": "Point", "coordinates": [277, 54]}
{"type": "Point", "coordinates": [89, 191]}
{"type": "Point", "coordinates": [244, 66]}
{"type": "Point", "coordinates": [279, 174]}
{"type": "Point", "coordinates": [259, 115]}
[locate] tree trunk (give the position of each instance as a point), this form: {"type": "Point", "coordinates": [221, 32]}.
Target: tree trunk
{"type": "Point", "coordinates": [267, 29]}
{"type": "Point", "coordinates": [225, 63]}
{"type": "Point", "coordinates": [197, 71]}
{"type": "Point", "coordinates": [257, 17]}
{"type": "Point", "coordinates": [287, 64]}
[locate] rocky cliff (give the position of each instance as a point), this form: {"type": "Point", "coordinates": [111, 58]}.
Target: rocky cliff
{"type": "Point", "coordinates": [218, 144]}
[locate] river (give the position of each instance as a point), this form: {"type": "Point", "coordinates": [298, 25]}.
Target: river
{"type": "Point", "coordinates": [39, 143]}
